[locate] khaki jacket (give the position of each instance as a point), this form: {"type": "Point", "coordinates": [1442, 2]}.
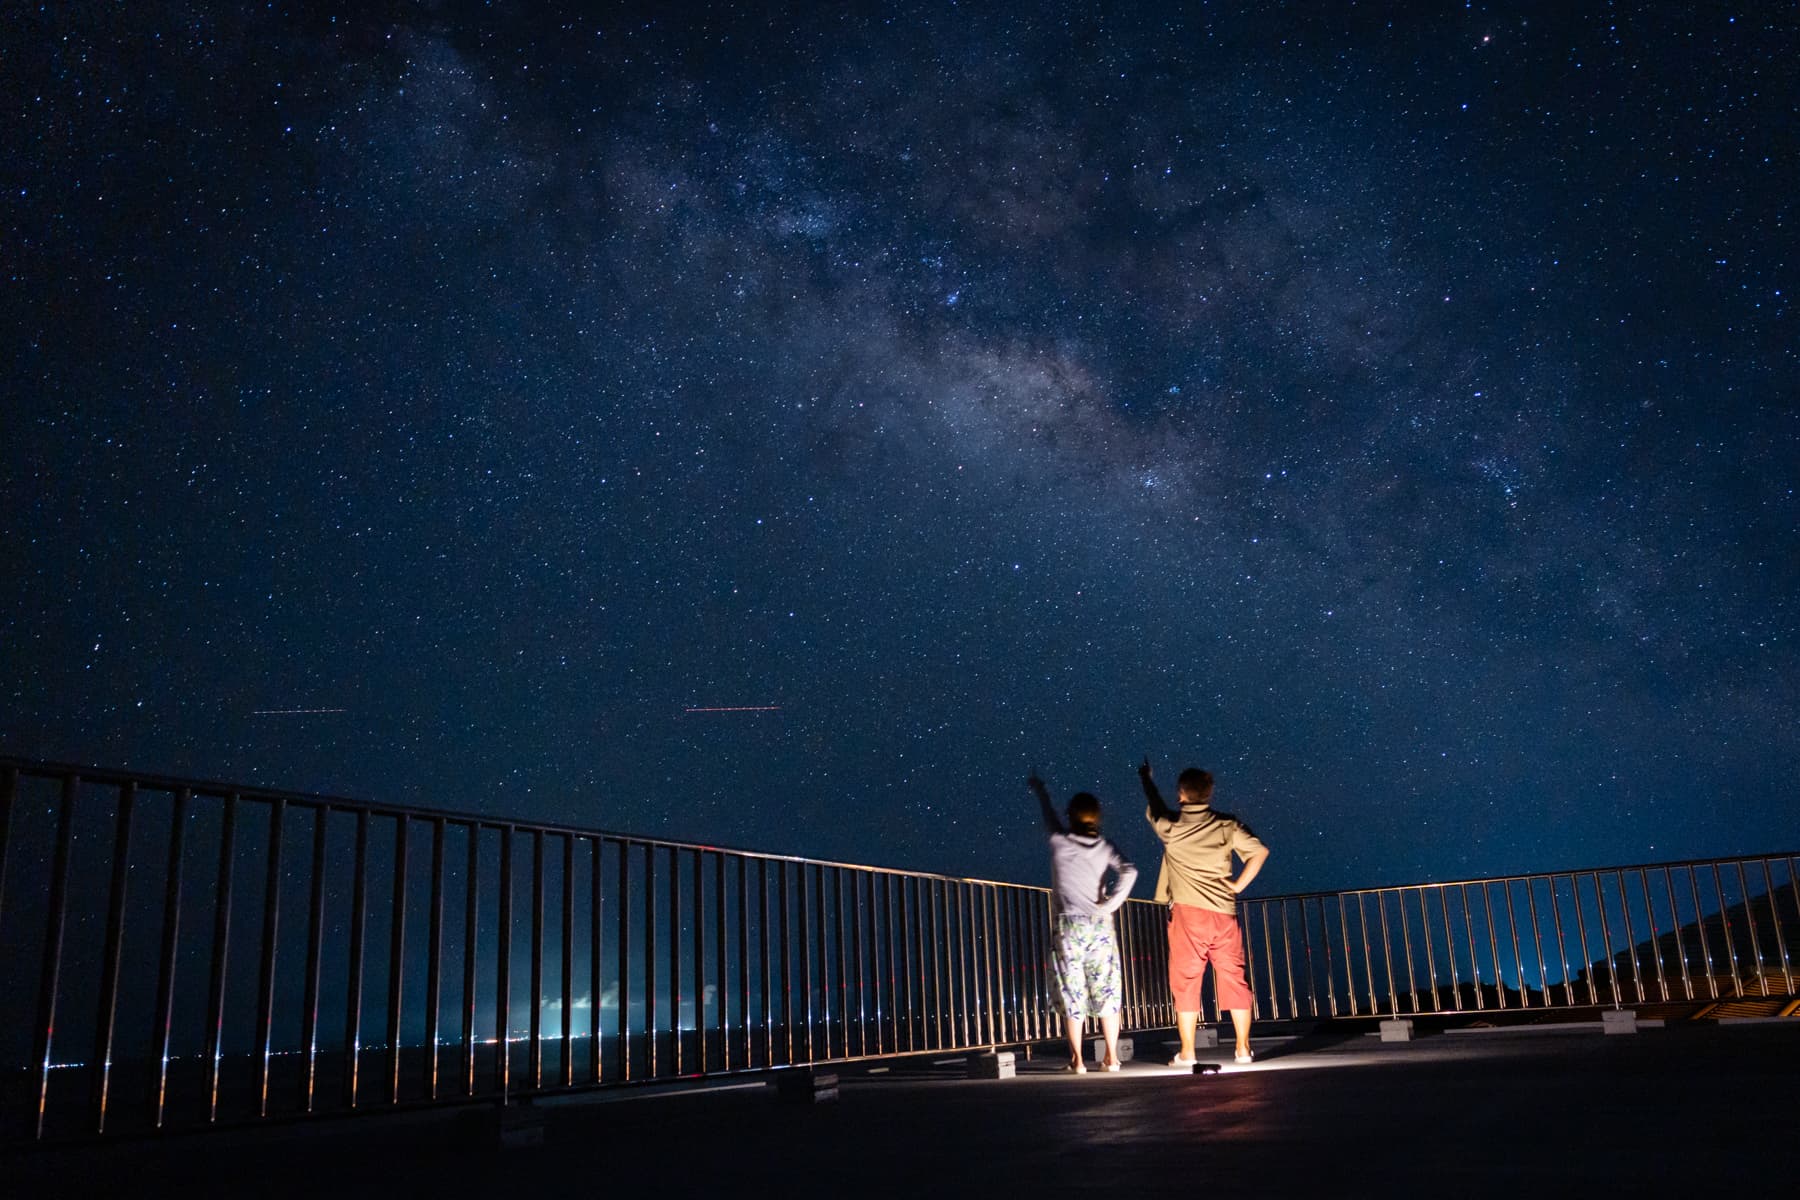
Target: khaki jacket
{"type": "Point", "coordinates": [1197, 848]}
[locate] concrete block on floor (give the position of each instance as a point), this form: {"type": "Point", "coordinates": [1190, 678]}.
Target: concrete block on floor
{"type": "Point", "coordinates": [515, 1126]}
{"type": "Point", "coordinates": [1619, 1020]}
{"type": "Point", "coordinates": [804, 1085]}
{"type": "Point", "coordinates": [1206, 1039]}
{"type": "Point", "coordinates": [1126, 1050]}
{"type": "Point", "coordinates": [995, 1064]}
{"type": "Point", "coordinates": [1397, 1030]}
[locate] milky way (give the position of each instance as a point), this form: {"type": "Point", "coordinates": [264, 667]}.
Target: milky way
{"type": "Point", "coordinates": [1397, 413]}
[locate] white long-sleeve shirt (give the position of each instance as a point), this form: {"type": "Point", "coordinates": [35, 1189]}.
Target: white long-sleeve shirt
{"type": "Point", "coordinates": [1078, 867]}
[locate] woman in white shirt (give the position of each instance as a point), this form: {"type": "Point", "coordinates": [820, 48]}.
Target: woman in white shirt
{"type": "Point", "coordinates": [1089, 881]}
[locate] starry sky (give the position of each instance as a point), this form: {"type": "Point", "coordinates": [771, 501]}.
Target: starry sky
{"type": "Point", "coordinates": [1394, 409]}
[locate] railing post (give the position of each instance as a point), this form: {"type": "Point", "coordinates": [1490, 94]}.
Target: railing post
{"type": "Point", "coordinates": [892, 1007]}
{"type": "Point", "coordinates": [1512, 925]}
{"type": "Point", "coordinates": [700, 958]}
{"type": "Point", "coordinates": [1487, 901]}
{"type": "Point", "coordinates": [1687, 983]}
{"type": "Point", "coordinates": [989, 937]}
{"type": "Point", "coordinates": [109, 978]}
{"type": "Point", "coordinates": [215, 1004]}
{"type": "Point", "coordinates": [50, 974]}
{"type": "Point", "coordinates": [165, 969]}
{"type": "Point", "coordinates": [1756, 960]}
{"type": "Point", "coordinates": [1775, 919]}
{"type": "Point", "coordinates": [354, 988]}
{"type": "Point", "coordinates": [396, 958]}
{"type": "Point", "coordinates": [650, 953]}
{"type": "Point", "coordinates": [596, 1030]}
{"type": "Point", "coordinates": [965, 953]}
{"type": "Point", "coordinates": [534, 1047]}
{"type": "Point", "coordinates": [787, 993]}
{"type": "Point", "coordinates": [1656, 955]}
{"type": "Point", "coordinates": [1537, 939]}
{"type": "Point", "coordinates": [503, 970]}
{"type": "Point", "coordinates": [762, 947]}
{"type": "Point", "coordinates": [315, 937]}
{"type": "Point", "coordinates": [843, 985]}
{"type": "Point", "coordinates": [1325, 946]}
{"type": "Point", "coordinates": [434, 950]}
{"type": "Point", "coordinates": [913, 953]}
{"type": "Point", "coordinates": [1581, 931]}
{"type": "Point", "coordinates": [471, 949]}
{"type": "Point", "coordinates": [1712, 979]}
{"type": "Point", "coordinates": [1349, 966]}
{"type": "Point", "coordinates": [1443, 893]}
{"type": "Point", "coordinates": [1606, 936]}
{"type": "Point", "coordinates": [567, 974]}
{"type": "Point", "coordinates": [806, 949]}
{"type": "Point", "coordinates": [1562, 952]}
{"type": "Point", "coordinates": [675, 955]}
{"type": "Point", "coordinates": [721, 1000]}
{"type": "Point", "coordinates": [856, 955]}
{"type": "Point", "coordinates": [1474, 956]}
{"type": "Point", "coordinates": [265, 981]}
{"type": "Point", "coordinates": [743, 954]}
{"type": "Point", "coordinates": [1287, 961]}
{"type": "Point", "coordinates": [624, 1034]}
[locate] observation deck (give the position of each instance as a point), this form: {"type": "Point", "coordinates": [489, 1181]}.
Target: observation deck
{"type": "Point", "coordinates": [216, 989]}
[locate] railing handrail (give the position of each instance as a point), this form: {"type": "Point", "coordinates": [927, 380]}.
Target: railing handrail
{"type": "Point", "coordinates": [378, 808]}
{"type": "Point", "coordinates": [1523, 876]}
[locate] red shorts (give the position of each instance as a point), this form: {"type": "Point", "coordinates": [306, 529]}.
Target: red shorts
{"type": "Point", "coordinates": [1198, 936]}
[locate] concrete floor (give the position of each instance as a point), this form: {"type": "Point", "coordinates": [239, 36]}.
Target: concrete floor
{"type": "Point", "coordinates": [1686, 1109]}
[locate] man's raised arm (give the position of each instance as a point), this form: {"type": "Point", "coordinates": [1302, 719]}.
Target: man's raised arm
{"type": "Point", "coordinates": [1156, 809]}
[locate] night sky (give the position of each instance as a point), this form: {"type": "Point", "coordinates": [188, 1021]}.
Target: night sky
{"type": "Point", "coordinates": [1393, 410]}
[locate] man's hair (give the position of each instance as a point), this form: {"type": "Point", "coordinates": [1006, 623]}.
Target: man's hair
{"type": "Point", "coordinates": [1084, 813]}
{"type": "Point", "coordinates": [1196, 783]}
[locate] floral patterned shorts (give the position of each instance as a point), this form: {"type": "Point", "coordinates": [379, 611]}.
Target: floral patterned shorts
{"type": "Point", "coordinates": [1087, 966]}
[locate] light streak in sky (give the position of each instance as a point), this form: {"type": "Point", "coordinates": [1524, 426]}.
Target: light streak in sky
{"type": "Point", "coordinates": [292, 712]}
{"type": "Point", "coordinates": [725, 708]}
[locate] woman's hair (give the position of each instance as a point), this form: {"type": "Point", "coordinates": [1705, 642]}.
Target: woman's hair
{"type": "Point", "coordinates": [1084, 813]}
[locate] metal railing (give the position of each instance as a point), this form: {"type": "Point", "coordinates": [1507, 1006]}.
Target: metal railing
{"type": "Point", "coordinates": [1678, 932]}
{"type": "Point", "coordinates": [184, 953]}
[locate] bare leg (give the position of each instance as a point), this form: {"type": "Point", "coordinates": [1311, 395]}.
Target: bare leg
{"type": "Point", "coordinates": [1109, 1026]}
{"type": "Point", "coordinates": [1240, 1021]}
{"type": "Point", "coordinates": [1184, 1029]}
{"type": "Point", "coordinates": [1073, 1026]}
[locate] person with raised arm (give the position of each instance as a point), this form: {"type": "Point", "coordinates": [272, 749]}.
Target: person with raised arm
{"type": "Point", "coordinates": [1197, 884]}
{"type": "Point", "coordinates": [1090, 880]}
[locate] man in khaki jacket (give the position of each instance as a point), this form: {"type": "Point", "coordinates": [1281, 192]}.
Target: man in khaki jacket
{"type": "Point", "coordinates": [1197, 884]}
